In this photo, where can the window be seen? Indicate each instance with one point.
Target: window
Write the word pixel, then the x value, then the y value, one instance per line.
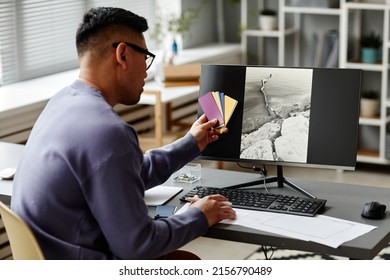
pixel 37 37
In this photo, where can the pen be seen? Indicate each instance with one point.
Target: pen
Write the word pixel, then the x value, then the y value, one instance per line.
pixel 196 198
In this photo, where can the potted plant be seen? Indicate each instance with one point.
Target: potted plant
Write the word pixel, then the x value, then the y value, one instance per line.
pixel 167 27
pixel 370 46
pixel 369 103
pixel 267 19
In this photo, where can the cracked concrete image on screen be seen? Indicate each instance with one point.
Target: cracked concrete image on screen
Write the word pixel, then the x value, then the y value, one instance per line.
pixel 276 114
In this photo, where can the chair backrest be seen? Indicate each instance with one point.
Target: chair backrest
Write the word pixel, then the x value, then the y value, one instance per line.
pixel 24 245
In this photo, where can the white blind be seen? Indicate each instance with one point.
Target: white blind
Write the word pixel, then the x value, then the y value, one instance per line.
pixel 45 35
pixel 8 57
pixel 38 36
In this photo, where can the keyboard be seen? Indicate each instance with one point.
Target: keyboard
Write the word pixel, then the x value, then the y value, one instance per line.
pixel 244 199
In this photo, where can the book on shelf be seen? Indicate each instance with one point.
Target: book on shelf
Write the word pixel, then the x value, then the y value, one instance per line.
pixel 326 49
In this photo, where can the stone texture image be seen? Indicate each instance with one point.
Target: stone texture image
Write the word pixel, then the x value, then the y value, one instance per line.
pixel 276 114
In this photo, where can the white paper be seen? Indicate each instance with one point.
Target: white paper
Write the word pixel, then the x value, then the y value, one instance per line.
pixel 320 229
pixel 160 194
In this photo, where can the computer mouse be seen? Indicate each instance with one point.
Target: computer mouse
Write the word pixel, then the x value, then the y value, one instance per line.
pixel 374 210
pixel 7 173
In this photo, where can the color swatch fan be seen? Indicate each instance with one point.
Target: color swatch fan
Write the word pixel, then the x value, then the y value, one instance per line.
pixel 217 105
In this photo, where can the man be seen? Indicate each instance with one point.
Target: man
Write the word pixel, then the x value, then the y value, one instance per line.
pixel 80 183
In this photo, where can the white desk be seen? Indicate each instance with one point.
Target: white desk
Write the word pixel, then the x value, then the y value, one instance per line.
pixel 20 104
pixel 159 96
pixel 9 157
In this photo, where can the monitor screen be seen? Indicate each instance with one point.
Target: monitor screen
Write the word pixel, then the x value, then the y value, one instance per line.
pixel 286 116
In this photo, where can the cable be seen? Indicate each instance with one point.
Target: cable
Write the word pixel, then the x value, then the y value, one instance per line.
pixel 246 167
pixel 254 168
pixel 263 172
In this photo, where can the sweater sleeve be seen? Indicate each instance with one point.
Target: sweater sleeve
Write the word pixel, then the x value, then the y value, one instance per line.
pixel 171 157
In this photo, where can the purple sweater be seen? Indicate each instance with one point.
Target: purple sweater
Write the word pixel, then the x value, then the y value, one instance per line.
pixel 80 183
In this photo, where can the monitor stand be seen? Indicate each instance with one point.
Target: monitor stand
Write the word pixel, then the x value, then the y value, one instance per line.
pixel 278 178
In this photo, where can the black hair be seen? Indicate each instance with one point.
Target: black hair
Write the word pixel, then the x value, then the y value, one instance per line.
pixel 98 19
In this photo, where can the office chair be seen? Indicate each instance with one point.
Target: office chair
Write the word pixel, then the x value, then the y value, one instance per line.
pixel 24 245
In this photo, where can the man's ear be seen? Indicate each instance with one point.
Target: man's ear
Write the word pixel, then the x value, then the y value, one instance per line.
pixel 121 55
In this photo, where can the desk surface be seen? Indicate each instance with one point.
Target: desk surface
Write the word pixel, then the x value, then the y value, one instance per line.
pixel 344 201
pixel 9 157
pixel 168 94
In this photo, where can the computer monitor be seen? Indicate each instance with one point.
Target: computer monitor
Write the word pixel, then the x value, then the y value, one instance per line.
pixel 286 116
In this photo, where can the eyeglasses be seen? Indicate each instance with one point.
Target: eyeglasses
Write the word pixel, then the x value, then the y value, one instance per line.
pixel 149 57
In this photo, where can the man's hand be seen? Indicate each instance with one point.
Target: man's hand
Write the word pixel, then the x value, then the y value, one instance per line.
pixel 203 132
pixel 214 209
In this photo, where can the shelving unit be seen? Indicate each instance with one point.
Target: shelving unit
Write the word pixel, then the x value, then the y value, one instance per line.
pixel 349 15
pixel 284 29
pixel 279 34
pixel 352 15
